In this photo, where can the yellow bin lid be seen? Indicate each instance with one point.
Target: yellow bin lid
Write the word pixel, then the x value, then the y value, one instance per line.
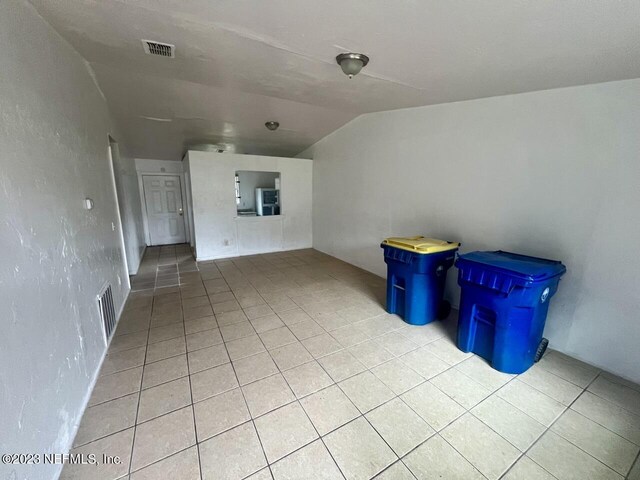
pixel 421 244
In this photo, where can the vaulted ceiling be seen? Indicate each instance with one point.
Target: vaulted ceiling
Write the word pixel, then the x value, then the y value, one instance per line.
pixel 239 63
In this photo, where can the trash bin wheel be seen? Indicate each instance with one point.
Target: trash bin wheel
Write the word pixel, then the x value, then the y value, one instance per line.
pixel 541 349
pixel 444 309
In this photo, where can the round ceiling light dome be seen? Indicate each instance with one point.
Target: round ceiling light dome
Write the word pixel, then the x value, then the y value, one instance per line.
pixel 352 63
pixel 272 125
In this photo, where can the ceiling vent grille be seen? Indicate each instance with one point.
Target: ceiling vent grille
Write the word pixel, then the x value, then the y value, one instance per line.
pixel 107 312
pixel 158 48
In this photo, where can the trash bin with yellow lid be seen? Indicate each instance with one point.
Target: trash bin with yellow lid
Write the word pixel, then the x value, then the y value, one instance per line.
pixel 416 274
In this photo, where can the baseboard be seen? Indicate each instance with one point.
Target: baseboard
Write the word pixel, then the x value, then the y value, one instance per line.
pixel 96 374
pixel 135 271
pixel 247 254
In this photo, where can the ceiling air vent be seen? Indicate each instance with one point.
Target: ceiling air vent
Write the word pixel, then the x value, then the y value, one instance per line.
pixel 158 48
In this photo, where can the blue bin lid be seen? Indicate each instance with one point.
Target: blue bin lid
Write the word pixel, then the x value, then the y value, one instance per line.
pixel 532 269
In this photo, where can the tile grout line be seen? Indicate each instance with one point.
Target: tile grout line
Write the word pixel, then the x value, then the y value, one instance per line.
pixel 296 400
pixel 370 370
pixel 193 409
pixel 363 415
pixel 320 437
pixel 562 378
pixel 580 448
pixel 135 423
pixel 137 411
pixel 548 429
pixel 565 408
pixel 626 410
pixel 245 400
pixel 636 463
pixel 436 432
pixel 140 391
pixel 251 419
pixel 599 424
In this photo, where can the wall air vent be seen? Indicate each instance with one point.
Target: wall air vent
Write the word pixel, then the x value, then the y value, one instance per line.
pixel 159 48
pixel 107 312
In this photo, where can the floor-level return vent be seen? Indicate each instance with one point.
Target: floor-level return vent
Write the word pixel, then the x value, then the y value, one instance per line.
pixel 107 312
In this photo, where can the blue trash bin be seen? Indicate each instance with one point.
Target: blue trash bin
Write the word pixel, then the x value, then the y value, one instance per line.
pixel 416 273
pixel 503 306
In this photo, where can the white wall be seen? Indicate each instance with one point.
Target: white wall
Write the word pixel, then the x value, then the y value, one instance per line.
pixel 56 256
pixel 189 203
pixel 150 165
pixel 553 173
pixel 130 210
pixel 220 233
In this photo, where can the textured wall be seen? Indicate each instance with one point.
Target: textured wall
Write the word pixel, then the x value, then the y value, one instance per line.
pixel 55 256
pixel 552 174
pixel 218 231
pixel 130 210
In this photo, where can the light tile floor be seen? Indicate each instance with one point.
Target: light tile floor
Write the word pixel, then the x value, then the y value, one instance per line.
pixel 286 366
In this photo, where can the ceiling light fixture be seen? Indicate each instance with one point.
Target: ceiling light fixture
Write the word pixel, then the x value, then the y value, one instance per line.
pixel 352 63
pixel 272 125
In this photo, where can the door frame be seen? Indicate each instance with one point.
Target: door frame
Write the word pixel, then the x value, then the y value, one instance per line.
pixel 143 204
pixel 111 142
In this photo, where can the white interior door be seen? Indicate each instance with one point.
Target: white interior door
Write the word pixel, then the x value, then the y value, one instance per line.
pixel 163 199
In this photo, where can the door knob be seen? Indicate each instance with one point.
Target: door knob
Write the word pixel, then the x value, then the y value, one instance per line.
pixel 180 212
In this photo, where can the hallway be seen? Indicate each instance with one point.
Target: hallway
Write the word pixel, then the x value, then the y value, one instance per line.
pixel 286 366
pixel 164 267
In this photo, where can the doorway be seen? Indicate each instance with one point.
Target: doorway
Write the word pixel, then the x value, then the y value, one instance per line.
pixel 165 212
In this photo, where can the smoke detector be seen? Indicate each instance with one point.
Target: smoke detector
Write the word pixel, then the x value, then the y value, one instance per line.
pixel 158 48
